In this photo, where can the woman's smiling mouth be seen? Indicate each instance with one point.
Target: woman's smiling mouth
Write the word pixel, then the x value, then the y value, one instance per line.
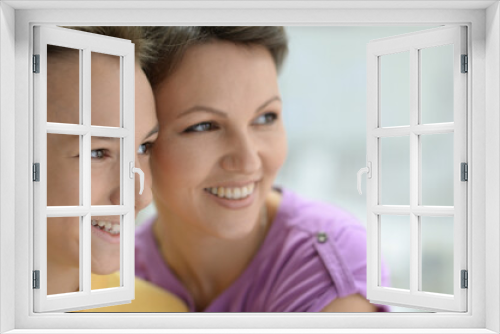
pixel 110 227
pixel 234 193
pixel 106 229
pixel 233 197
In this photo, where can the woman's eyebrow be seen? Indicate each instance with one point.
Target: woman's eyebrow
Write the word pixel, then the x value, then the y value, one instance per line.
pixel 104 138
pixel 202 108
pixel 221 113
pixel 272 99
pixel 153 131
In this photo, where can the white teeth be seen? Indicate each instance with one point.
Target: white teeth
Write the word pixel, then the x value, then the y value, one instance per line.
pixel 115 229
pixel 232 193
pixel 107 226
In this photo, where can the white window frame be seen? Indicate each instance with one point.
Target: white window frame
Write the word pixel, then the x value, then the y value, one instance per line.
pixel 413 43
pixel 483 21
pixel 85 43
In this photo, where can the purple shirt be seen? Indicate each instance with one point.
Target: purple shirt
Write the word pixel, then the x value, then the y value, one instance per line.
pixel 312 254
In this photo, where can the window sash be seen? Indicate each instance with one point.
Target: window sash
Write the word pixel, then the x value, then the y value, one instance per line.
pixel 86 43
pixel 413 43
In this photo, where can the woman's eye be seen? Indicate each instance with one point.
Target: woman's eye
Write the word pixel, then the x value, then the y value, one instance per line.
pixel 97 154
pixel 145 148
pixel 266 118
pixel 201 127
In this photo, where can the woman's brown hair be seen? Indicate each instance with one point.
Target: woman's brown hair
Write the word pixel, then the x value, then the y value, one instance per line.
pixel 172 42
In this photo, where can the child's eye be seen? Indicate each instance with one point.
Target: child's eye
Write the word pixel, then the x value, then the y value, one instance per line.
pixel 97 154
pixel 266 118
pixel 145 148
pixel 201 127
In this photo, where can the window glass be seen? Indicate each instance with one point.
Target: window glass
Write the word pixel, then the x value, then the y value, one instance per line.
pixel 395 249
pixel 436 244
pixel 106 173
pixel 436 84
pixel 105 90
pixel 437 169
pixel 106 254
pixel 395 170
pixel 395 89
pixel 63 85
pixel 63 170
pixel 63 251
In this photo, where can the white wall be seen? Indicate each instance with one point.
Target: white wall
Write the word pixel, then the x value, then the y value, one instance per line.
pixel 7 161
pixel 492 163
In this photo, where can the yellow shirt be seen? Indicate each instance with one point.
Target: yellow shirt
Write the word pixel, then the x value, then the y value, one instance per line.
pixel 148 297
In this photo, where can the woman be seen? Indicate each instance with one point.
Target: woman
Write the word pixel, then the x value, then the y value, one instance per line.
pixel 63 155
pixel 225 239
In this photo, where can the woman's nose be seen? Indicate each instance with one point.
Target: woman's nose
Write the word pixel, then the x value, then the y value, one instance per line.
pixel 243 155
pixel 115 194
pixel 107 184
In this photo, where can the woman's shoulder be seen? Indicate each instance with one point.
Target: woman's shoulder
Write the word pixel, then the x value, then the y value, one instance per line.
pixel 311 216
pixel 332 235
pixel 317 254
pixel 149 264
pixel 144 238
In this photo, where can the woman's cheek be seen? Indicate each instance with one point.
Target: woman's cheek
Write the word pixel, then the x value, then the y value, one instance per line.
pixel 147 172
pixel 162 164
pixel 277 152
pixel 62 182
pixel 96 195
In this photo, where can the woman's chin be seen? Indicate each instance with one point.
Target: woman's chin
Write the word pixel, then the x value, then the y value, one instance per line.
pixel 105 269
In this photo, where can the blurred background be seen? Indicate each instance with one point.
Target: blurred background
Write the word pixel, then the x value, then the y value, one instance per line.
pixel 323 87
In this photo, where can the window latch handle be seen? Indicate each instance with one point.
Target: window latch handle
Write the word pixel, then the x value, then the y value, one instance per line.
pixel 138 171
pixel 368 171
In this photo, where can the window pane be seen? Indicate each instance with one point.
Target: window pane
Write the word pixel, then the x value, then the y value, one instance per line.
pixel 105 166
pixel 437 169
pixel 105 90
pixel 436 235
pixel 63 170
pixel 63 255
pixel 395 170
pixel 63 85
pixel 395 249
pixel 395 89
pixel 436 84
pixel 105 245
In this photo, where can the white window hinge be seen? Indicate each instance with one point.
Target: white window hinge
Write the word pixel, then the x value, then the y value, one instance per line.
pixel 36 279
pixel 464 279
pixel 36 63
pixel 464 172
pixel 36 172
pixel 465 64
